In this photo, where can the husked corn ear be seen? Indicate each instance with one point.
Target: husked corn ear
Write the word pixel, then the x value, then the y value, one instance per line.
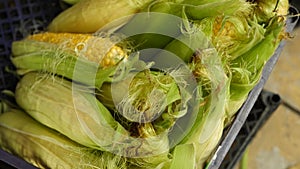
pixel 97 49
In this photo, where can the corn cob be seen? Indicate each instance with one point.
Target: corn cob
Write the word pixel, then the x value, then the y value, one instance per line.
pixel 267 9
pixel 96 49
pixel 210 75
pixel 207 131
pixel 45 148
pixel 247 68
pixel 233 34
pixel 77 113
pixel 85 58
pixel 161 22
pixel 88 16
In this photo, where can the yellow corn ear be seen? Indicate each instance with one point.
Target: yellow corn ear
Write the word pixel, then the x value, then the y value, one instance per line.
pixel 45 148
pixel 88 16
pixel 97 49
pixel 75 112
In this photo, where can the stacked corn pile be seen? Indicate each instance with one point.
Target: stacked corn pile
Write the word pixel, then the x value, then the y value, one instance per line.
pixel 137 84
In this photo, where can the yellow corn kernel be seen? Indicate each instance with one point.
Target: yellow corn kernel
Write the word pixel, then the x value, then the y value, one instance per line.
pixel 97 49
pixel 226 29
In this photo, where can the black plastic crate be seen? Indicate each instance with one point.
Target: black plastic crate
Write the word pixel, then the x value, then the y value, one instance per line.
pixel 19 18
pixel 8 161
pixel 296 4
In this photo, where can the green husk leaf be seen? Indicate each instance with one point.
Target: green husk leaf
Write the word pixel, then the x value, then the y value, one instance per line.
pixel 233 34
pixel 256 58
pixel 45 148
pixel 71 2
pixel 223 7
pixel 80 18
pixel 184 157
pixel 163 20
pixel 149 96
pixel 268 9
pixel 215 84
pixel 184 46
pixel 31 56
pixel 247 68
pixel 75 112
